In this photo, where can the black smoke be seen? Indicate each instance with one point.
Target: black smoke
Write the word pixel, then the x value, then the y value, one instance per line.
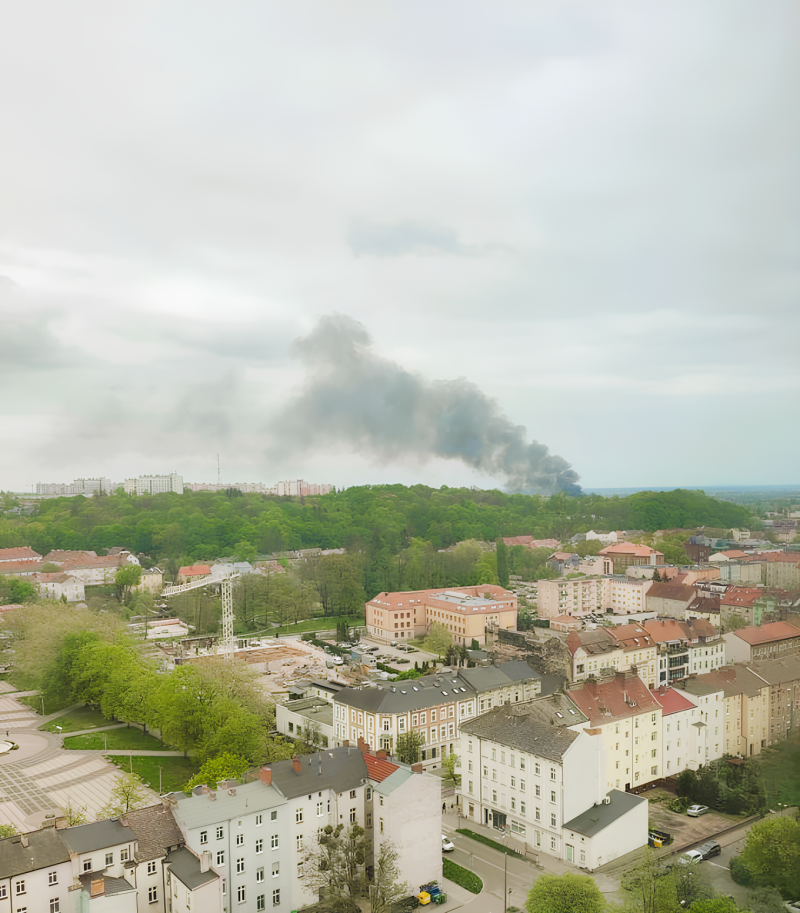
pixel 353 397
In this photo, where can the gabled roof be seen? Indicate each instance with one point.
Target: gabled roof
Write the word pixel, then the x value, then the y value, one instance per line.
pixel 675 591
pixel 592 642
pixel 731 680
pixel 185 866
pixel 86 838
pixel 776 630
pixel 741 595
pixel 378 769
pixel 45 848
pixel 666 630
pixel 671 701
pixel 155 830
pixel 617 698
pixel 21 553
pixel 338 769
pixel 631 637
pixel 628 548
pixel 538 727
pixel 194 570
pixel 777 671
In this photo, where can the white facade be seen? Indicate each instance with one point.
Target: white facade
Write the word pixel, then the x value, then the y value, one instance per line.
pixel 54 586
pixel 696 737
pixel 153 485
pixel 87 487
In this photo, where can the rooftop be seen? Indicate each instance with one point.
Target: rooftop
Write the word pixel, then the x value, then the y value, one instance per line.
pixel 671 701
pixel 676 591
pixel 628 548
pixel 155 830
pixel 598 817
pixel 194 570
pixel 20 553
pixel 763 634
pixel 86 838
pixel 619 697
pixel 185 866
pixel 45 848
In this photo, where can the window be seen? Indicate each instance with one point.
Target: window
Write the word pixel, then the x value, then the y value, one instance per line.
pixel 470 787
pixel 485 771
pixel 203 836
pixel 239 865
pixel 522 785
pixel 151 867
pixel 298 816
pixel 152 895
pixel 220 833
pixel 298 842
pixel 654 770
pixel 513 782
pixel 494 797
pixel 87 865
pixel 319 809
pixel 241 894
pixel 552 820
pixel 123 855
pixel 273 815
pixel 261 902
pixel 3 892
pixel 469 766
pixel 273 843
pixel 653 753
pixel 220 857
pixel 260 874
pixel 276 870
pixel 352 794
pixel 352 816
pixel 369 819
pixel 52 877
pixel 538 790
pixel 513 804
pixel 653 736
pixel 224 887
pixel 552 843
pixel 259 820
pixel 552 773
pixel 276 897
pixel 381 827
pixel 109 859
pixel 55 905
pixel 522 808
pixel 522 764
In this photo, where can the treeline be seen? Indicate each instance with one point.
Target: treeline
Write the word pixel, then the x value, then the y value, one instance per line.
pixel 208 707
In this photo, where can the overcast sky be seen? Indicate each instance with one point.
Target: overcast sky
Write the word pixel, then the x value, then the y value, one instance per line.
pixel 590 211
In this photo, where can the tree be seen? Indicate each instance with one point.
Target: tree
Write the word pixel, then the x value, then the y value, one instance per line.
pixel 75 814
pixel 772 853
pixel 8 830
pixel 386 888
pixel 226 766
pixel 564 894
pixel 502 563
pixel 438 639
pixel 125 580
pixel 127 794
pixel 244 551
pixel 409 746
pixel 334 866
pixel 714 905
pixel 649 888
pixel 450 762
pixel 686 784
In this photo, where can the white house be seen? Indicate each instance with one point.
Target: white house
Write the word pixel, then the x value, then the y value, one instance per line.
pixel 58 585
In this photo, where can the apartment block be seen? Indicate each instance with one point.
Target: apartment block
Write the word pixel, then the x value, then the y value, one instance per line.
pixel 582 596
pixel 691 728
pixel 685 647
pixel 536 770
pixel 434 706
pixel 626 554
pixel 604 651
pixel 464 611
pixel 154 485
pixel 770 641
pixel 783 678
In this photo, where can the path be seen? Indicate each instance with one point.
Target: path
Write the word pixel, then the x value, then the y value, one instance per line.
pixel 41 777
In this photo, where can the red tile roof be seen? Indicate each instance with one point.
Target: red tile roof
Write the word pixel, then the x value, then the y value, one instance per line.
pixel 194 570
pixel 677 591
pixel 10 568
pixel 776 630
pixel 593 697
pixel 734 553
pixel 671 701
pixel 628 548
pixel 22 553
pixel 630 637
pixel 741 595
pixel 378 769
pixel 666 631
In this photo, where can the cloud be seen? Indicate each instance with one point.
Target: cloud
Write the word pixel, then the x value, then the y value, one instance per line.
pixel 405 237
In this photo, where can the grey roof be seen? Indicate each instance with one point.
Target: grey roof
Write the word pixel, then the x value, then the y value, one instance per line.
pixel 777 671
pixel 552 682
pixel 199 811
pixel 155 830
pixel 85 838
pixel 538 727
pixel 428 691
pixel 393 781
pixel 110 885
pixel 185 866
pixel 314 709
pixel 338 769
pixel 598 817
pixel 45 847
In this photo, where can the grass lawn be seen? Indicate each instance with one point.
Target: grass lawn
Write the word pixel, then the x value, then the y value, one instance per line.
pixel 780 765
pixel 174 771
pixel 75 720
pixel 114 739
pixel 321 623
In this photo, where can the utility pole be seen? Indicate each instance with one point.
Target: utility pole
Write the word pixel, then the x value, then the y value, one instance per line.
pixel 505 870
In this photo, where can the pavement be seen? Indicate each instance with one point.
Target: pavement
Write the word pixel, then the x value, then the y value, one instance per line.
pixel 41 777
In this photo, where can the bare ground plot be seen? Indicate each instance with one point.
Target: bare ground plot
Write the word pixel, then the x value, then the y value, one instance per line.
pixel 685 830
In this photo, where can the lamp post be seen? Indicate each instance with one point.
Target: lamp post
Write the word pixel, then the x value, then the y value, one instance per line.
pixel 505 870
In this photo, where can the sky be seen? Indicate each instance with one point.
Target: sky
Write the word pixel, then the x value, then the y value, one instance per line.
pixel 582 219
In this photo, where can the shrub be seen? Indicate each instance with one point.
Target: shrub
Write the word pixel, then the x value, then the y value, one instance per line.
pixel 740 873
pixel 461 876
pixel 678 805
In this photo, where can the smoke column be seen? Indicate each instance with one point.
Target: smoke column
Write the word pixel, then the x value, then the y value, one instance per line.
pixel 354 397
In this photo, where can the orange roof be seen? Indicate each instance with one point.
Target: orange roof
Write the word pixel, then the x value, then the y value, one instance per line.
pixel 735 553
pixel 630 637
pixel 10 568
pixel 560 556
pixel 614 696
pixel 776 630
pixel 379 769
pixel 413 597
pixel 194 570
pixel 671 701
pixel 741 595
pixel 21 553
pixel 628 548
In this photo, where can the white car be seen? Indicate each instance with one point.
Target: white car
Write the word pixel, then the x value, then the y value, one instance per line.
pixel 447 845
pixel 689 857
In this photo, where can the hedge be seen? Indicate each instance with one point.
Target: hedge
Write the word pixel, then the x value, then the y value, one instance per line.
pixel 461 876
pixel 487 841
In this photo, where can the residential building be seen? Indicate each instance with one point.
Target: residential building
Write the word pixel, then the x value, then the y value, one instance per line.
pixel 537 770
pixel 309 719
pixel 628 596
pixel 35 872
pixel 18 555
pixel 672 599
pixel 625 554
pixel 296 488
pixel 86 487
pixel 465 612
pixel 152 581
pixel 604 538
pixel 742 572
pixel 193 572
pixel 591 596
pixel 692 726
pixel 154 485
pixel 433 706
pixel 685 647
pixel 745 704
pixel 706 607
pixel 697 553
pixel 89 568
pixel 563 562
pixel 783 678
pixel 752 605
pixel 629 718
pixel 254 835
pixel 59 586
pixel 603 651
pixel 595 564
pixel 781 570
pixel 770 641
pixel 565 623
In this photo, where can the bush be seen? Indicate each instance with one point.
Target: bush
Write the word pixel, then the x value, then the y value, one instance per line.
pixel 461 876
pixel 740 873
pixel 678 805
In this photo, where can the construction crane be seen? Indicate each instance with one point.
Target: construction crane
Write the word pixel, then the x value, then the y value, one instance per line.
pixel 226 644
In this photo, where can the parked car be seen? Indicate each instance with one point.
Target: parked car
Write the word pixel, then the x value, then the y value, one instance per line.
pixel 712 848
pixel 447 845
pixel 689 857
pixel 694 811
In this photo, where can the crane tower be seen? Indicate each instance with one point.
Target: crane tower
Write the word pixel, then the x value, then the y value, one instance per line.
pixel 227 647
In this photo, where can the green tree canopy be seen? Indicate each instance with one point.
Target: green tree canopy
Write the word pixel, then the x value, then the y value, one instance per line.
pixel 565 894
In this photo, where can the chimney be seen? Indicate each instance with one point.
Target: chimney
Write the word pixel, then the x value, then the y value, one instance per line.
pixel 24 840
pixel 381 755
pixel 363 746
pixel 296 764
pixel 266 776
pixel 205 861
pixel 61 823
pixel 417 768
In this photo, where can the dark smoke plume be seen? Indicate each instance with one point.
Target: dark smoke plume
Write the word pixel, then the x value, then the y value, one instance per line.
pixel 354 397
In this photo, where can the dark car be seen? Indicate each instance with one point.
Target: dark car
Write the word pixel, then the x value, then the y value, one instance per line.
pixel 712 848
